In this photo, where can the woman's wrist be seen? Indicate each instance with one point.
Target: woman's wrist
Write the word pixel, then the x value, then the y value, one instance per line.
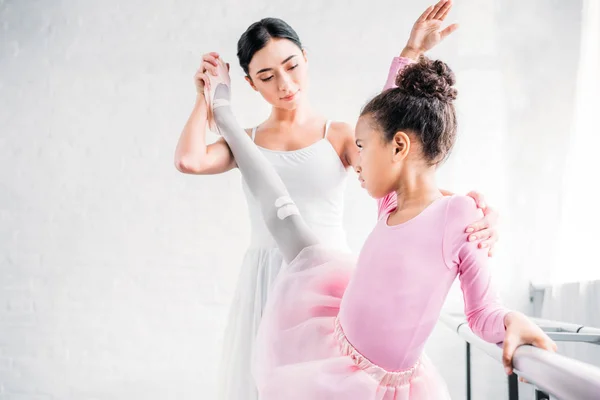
pixel 200 107
pixel 200 99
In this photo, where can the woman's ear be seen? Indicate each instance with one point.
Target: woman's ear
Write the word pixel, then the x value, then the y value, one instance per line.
pixel 247 78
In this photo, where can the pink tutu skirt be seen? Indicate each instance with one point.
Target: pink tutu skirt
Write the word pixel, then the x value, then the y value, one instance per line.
pixel 302 353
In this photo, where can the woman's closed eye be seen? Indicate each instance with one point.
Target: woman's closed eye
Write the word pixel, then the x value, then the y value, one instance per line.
pixel 267 79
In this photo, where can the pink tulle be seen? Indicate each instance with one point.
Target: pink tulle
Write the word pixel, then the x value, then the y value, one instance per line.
pixel 301 350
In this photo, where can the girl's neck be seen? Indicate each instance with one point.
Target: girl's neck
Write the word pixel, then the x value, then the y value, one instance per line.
pixel 418 189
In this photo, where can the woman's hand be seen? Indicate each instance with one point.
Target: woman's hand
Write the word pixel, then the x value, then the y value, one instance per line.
pixel 485 230
pixel 209 65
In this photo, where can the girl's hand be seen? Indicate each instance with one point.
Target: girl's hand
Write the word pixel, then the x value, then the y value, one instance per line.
pixel 521 330
pixel 426 32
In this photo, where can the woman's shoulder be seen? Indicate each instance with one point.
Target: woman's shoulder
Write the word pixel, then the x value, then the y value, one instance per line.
pixel 341 136
pixel 340 130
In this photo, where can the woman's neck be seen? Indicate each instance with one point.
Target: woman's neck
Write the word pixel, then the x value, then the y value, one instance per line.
pixel 297 116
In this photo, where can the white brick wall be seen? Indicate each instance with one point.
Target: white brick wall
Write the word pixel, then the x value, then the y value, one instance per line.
pixel 116 271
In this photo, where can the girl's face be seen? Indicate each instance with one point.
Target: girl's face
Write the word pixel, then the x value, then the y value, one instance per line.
pixel 279 72
pixel 380 164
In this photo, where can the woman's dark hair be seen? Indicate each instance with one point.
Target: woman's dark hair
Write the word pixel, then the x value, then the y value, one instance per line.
pixel 258 35
pixel 421 104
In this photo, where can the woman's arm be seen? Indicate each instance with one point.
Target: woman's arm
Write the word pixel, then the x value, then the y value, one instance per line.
pixel 192 155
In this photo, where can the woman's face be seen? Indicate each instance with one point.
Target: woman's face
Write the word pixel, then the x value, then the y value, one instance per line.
pixel 279 71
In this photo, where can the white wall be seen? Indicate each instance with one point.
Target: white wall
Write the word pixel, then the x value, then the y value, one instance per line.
pixel 116 271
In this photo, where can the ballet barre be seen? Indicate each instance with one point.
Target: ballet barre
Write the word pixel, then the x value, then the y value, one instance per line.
pixel 551 373
pixel 568 332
